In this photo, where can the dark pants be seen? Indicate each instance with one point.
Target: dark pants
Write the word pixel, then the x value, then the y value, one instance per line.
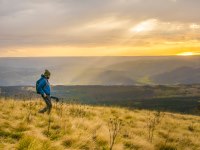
pixel 48 104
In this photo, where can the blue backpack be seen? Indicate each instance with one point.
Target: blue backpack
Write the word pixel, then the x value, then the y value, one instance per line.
pixel 37 84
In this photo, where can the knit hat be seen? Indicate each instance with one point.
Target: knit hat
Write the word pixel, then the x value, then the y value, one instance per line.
pixel 47 73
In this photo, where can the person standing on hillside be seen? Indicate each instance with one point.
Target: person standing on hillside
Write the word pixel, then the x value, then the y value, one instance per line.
pixel 43 88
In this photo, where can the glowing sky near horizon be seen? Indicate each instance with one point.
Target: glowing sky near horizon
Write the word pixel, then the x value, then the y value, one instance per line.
pixel 99 28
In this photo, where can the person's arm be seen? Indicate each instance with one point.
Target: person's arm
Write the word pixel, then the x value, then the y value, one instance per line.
pixel 40 87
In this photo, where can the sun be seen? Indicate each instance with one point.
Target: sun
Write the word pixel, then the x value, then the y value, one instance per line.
pixel 187 54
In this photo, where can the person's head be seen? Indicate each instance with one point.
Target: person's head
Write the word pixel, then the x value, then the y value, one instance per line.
pixel 47 74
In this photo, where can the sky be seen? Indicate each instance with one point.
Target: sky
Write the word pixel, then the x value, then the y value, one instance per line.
pixel 35 28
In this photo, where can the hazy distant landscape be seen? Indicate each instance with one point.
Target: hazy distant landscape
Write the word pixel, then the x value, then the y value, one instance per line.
pixel 101 70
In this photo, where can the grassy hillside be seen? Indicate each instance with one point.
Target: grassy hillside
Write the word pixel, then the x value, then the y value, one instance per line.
pixel 73 126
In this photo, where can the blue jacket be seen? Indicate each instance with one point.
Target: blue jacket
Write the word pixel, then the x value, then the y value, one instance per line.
pixel 44 86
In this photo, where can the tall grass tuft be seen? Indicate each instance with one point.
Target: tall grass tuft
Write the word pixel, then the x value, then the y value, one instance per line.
pixel 33 143
pixel 114 125
pixel 152 122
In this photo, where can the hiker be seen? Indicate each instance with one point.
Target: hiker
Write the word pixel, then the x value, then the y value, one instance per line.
pixel 43 88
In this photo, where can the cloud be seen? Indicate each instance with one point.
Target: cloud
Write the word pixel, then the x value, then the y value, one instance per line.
pixel 145 26
pixel 195 26
pixel 96 23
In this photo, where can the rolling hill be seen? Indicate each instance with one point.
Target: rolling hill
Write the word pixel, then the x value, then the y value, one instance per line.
pixel 100 70
pixel 182 75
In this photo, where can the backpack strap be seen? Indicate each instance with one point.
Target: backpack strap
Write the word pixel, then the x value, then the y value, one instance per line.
pixel 46 83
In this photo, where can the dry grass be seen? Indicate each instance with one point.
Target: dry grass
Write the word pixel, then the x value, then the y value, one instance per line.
pixel 73 126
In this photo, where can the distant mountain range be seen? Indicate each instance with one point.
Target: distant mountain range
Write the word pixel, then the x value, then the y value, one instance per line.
pixel 101 70
pixel 184 75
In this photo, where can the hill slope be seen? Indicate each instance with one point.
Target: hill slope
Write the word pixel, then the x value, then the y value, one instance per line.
pixel 73 126
pixel 185 75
